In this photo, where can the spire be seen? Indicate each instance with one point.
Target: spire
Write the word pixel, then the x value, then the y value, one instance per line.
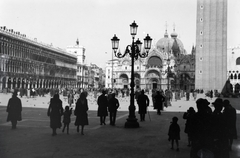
pixel 77 42
pixel 166 34
pixel 174 34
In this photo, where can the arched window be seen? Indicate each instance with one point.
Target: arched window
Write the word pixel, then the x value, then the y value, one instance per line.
pixel 235 76
pixel 231 76
pixel 238 61
pixel 238 76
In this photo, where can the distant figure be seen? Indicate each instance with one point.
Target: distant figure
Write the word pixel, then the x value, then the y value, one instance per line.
pixel 159 100
pixel 67 118
pixel 143 103
pixel 230 115
pixel 113 105
pixel 174 132
pixel 188 116
pixel 211 94
pixel 14 109
pixel 81 112
pixel 102 107
pixel 55 111
pixel 70 99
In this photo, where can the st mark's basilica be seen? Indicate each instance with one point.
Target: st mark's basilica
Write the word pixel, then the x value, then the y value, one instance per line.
pixel 168 66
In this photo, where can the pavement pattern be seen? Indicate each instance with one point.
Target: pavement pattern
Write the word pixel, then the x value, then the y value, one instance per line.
pixel 32 138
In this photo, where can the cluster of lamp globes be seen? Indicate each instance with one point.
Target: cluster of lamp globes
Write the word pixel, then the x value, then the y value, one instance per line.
pixel 133 50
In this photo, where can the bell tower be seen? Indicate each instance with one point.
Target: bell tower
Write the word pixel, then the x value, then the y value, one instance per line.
pixel 211 45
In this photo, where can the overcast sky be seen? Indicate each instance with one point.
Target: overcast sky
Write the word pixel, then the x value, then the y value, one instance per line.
pixel 94 22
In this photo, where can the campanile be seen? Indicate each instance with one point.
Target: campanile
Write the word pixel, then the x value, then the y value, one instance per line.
pixel 211 45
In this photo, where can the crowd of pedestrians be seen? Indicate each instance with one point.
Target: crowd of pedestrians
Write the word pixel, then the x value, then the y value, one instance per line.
pixel 210 132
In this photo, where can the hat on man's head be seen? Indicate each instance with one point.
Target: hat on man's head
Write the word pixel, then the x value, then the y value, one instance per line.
pixel 206 102
pixel 15 93
pixel 226 102
pixel 218 101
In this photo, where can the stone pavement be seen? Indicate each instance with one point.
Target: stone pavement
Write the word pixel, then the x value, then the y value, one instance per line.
pixel 32 138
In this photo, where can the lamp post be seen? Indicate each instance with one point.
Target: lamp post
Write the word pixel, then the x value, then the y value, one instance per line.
pixel 134 50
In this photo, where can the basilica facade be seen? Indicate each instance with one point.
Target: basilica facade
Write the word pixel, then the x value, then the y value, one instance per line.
pixel 168 66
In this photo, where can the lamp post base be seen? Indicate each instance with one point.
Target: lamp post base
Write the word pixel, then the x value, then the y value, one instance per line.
pixel 131 123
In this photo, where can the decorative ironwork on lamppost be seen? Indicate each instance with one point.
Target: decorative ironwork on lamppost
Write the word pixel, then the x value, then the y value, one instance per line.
pixel 134 50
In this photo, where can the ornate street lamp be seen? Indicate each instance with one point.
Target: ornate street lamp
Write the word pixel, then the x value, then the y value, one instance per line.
pixel 134 50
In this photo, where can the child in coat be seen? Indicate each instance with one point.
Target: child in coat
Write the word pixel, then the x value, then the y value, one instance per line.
pixel 174 132
pixel 67 118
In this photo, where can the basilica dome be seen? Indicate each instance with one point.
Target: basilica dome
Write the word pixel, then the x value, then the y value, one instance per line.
pixel 166 44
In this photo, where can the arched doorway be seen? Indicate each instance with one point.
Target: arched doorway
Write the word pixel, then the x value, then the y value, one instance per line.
pixel 237 88
pixel 9 83
pixel 153 79
pixel 125 80
pixel 137 80
pixel 185 82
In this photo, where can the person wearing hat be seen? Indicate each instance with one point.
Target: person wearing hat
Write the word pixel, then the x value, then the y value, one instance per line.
pixel 230 114
pixel 220 130
pixel 201 129
pixel 14 109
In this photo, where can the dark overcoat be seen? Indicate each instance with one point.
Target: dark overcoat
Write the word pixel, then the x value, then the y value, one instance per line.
pixel 143 103
pixel 102 105
pixel 14 109
pixel 81 112
pixel 159 99
pixel 55 111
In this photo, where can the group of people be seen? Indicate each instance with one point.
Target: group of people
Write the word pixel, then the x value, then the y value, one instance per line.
pixel 211 132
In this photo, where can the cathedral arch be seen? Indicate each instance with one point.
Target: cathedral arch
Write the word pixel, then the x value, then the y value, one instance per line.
pixel 124 80
pixel 154 61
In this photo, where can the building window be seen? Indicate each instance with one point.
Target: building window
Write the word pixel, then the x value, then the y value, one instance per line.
pixel 238 76
pixel 201 7
pixel 201 19
pixel 238 61
pixel 201 45
pixel 231 76
pixel 201 33
pixel 200 58
pixel 125 68
pixel 200 72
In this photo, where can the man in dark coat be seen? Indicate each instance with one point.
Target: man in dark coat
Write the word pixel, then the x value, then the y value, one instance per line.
pixel 102 107
pixel 143 103
pixel 230 115
pixel 159 99
pixel 14 109
pixel 113 105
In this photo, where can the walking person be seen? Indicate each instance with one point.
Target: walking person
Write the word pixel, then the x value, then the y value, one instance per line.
pixel 55 111
pixel 143 103
pixel 159 100
pixel 174 132
pixel 67 118
pixel 113 105
pixel 14 109
pixel 81 112
pixel 102 107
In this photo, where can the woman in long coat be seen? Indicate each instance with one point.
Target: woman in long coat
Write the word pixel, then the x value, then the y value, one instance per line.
pixel 102 107
pixel 81 112
pixel 55 111
pixel 14 110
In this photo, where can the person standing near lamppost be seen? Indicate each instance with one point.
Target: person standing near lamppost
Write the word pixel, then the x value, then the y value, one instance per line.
pixel 134 50
pixel 102 107
pixel 113 105
pixel 143 103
